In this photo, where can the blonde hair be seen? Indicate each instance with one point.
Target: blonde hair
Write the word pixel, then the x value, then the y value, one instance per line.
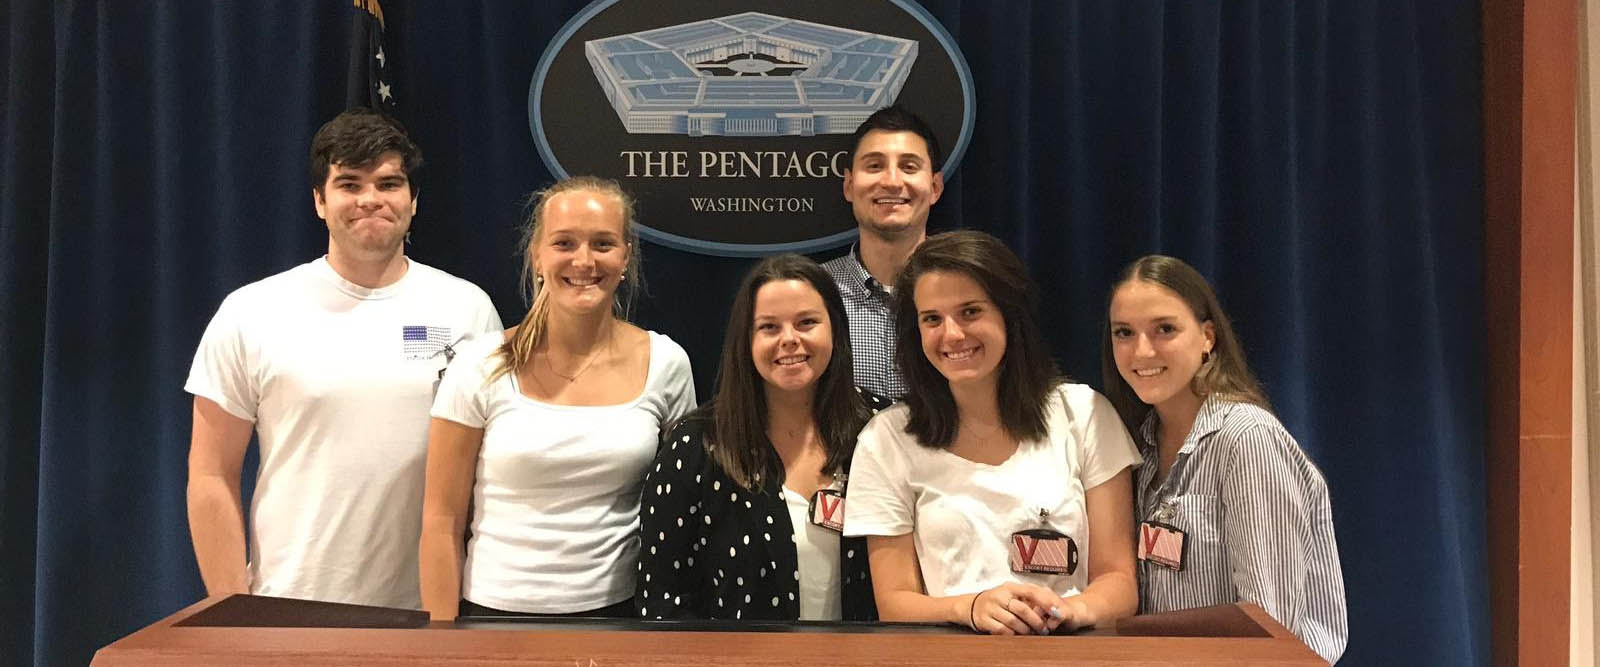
pixel 517 352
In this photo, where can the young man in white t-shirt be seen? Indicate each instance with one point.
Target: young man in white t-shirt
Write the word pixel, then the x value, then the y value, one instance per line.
pixel 333 364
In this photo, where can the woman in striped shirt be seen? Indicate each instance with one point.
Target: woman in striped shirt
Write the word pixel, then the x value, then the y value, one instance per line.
pixel 1219 471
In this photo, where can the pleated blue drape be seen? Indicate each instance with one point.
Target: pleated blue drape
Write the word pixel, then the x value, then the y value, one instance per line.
pixel 1320 162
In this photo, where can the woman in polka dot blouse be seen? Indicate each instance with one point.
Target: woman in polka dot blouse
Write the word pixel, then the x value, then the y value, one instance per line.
pixel 742 507
pixel 997 496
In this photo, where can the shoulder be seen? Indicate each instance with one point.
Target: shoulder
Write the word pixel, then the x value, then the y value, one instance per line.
pixel 690 432
pixel 875 403
pixel 480 347
pixel 1252 438
pixel 294 279
pixel 843 269
pixel 435 279
pixel 888 428
pixel 1248 425
pixel 267 296
pixel 1074 393
pixel 665 351
pixel 478 355
pixel 1077 402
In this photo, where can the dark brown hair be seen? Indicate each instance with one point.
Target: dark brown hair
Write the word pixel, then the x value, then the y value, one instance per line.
pixel 897 118
pixel 738 411
pixel 357 138
pixel 1027 372
pixel 1224 372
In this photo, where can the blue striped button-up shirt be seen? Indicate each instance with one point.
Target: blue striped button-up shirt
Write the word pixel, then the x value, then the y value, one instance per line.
pixel 1255 512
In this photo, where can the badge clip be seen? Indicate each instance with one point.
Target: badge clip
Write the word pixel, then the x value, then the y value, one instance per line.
pixel 1042 550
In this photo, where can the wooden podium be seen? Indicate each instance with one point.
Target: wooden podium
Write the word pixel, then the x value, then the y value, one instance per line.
pixel 251 630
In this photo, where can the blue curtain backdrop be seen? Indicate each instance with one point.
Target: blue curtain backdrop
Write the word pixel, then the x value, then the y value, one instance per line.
pixel 1319 161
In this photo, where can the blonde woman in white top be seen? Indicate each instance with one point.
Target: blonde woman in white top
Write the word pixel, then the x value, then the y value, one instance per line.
pixel 545 433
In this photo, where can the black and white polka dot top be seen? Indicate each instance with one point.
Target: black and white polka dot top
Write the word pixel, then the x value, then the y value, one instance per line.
pixel 711 549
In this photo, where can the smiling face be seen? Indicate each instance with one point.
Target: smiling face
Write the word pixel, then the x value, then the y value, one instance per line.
pixel 891 184
pixel 581 253
pixel 368 209
pixel 963 332
pixel 791 340
pixel 1157 343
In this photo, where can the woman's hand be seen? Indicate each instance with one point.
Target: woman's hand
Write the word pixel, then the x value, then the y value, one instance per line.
pixel 1019 609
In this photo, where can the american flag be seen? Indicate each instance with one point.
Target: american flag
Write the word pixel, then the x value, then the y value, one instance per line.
pixel 423 342
pixel 370 78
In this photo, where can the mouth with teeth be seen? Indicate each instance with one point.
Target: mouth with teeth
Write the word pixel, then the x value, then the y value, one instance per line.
pixel 960 355
pixel 891 201
pixel 792 360
pixel 590 281
pixel 1149 372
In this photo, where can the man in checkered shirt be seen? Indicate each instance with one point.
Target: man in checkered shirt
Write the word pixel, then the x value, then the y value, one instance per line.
pixel 895 176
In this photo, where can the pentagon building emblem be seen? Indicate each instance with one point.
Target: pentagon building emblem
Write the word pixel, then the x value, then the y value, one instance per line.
pixel 730 121
pixel 749 74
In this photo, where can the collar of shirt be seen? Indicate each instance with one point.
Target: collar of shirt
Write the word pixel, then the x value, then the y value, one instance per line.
pixel 861 280
pixel 1207 421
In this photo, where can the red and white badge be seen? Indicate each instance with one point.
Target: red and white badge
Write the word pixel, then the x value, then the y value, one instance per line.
pixel 827 509
pixel 1042 551
pixel 1162 544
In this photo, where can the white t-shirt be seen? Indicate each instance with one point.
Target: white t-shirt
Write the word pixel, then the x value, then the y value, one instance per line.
pixel 555 506
pixel 338 379
pixel 961 514
pixel 817 555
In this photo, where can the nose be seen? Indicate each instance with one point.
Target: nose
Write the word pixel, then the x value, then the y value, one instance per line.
pixel 892 177
pixel 788 337
pixel 1142 347
pixel 952 330
pixel 583 256
pixel 367 196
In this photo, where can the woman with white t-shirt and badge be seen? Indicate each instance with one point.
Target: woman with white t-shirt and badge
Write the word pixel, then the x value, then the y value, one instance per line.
pixel 545 432
pixel 997 496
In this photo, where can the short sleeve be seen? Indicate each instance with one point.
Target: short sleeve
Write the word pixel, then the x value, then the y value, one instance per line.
pixel 463 395
pixel 677 382
pixel 879 497
pixel 221 368
pixel 1107 447
pixel 485 319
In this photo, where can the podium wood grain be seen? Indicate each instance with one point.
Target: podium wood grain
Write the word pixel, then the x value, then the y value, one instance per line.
pixel 444 644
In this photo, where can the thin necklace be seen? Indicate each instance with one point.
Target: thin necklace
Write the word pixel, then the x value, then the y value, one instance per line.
pixel 983 438
pixel 586 363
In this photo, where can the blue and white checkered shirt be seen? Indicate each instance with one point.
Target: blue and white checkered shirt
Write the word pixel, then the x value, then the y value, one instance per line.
pixel 1255 514
pixel 870 308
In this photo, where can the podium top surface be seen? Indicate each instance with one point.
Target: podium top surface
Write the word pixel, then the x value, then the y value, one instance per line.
pixel 252 630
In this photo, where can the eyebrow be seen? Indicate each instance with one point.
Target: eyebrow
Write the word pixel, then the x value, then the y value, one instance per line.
pixel 1163 318
pixel 809 311
pixel 959 305
pixel 882 155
